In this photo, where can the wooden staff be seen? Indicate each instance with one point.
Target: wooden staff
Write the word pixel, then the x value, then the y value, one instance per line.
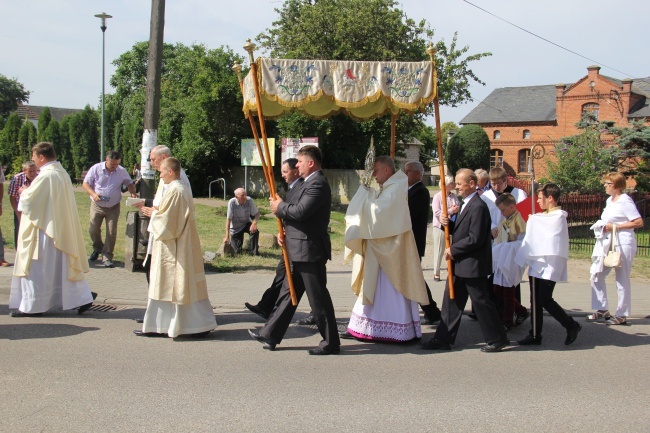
pixel 393 134
pixel 250 47
pixel 441 161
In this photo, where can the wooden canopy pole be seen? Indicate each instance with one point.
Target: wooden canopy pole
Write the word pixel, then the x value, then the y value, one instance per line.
pixel 441 162
pixel 393 134
pixel 250 47
pixel 265 168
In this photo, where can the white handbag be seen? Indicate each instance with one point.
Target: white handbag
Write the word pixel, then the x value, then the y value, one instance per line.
pixel 613 257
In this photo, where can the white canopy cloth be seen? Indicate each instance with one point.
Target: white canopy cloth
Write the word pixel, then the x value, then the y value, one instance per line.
pixel 322 88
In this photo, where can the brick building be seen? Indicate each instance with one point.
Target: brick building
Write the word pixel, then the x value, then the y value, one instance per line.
pixel 516 118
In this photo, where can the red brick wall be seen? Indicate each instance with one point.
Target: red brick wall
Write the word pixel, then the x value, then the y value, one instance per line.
pixel 613 104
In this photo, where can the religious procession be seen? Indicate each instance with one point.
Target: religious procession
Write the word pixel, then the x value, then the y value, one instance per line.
pixel 489 234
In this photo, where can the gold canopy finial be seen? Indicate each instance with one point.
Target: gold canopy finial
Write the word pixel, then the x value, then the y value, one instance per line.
pixel 250 47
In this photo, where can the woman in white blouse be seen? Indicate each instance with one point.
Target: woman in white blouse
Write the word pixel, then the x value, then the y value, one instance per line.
pixel 620 211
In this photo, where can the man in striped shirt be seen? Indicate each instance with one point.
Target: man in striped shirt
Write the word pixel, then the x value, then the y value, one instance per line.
pixel 18 183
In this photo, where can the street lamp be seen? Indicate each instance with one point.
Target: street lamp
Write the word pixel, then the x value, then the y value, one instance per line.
pixel 103 17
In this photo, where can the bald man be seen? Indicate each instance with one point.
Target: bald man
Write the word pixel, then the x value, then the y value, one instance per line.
pixel 242 217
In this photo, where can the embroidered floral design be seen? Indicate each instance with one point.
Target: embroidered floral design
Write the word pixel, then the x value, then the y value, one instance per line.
pixel 403 83
pixel 293 81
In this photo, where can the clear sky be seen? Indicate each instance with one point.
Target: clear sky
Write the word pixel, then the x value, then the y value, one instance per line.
pixel 55 47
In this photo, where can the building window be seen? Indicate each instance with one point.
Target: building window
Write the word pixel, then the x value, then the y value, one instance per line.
pixel 526 134
pixel 497 134
pixel 592 110
pixel 496 158
pixel 524 158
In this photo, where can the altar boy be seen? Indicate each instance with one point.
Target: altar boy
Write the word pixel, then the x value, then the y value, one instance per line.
pixel 507 274
pixel 545 249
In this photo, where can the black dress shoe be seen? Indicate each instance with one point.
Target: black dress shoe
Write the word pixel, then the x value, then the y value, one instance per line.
pixel 309 320
pixel 139 320
pixel 86 307
pixel 21 314
pixel 434 344
pixel 148 334
pixel 572 333
pixel 267 344
pixel 94 256
pixel 257 310
pixel 321 351
pixel 530 340
pixel 346 335
pixel 494 347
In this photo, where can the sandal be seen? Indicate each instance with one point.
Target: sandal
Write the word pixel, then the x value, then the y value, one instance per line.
pixel 616 320
pixel 600 314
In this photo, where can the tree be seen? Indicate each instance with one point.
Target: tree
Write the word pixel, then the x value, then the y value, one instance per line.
pixel 362 30
pixel 84 140
pixel 11 94
pixel 468 148
pixel 26 140
pixel 633 151
pixel 201 116
pixel 9 139
pixel 580 160
pixel 43 121
pixel 63 147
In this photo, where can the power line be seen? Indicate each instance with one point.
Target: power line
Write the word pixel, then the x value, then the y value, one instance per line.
pixel 546 40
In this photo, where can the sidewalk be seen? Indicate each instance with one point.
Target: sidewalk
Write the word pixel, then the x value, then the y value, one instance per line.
pixel 229 291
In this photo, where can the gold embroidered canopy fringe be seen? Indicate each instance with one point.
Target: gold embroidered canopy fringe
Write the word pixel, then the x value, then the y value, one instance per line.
pixel 322 88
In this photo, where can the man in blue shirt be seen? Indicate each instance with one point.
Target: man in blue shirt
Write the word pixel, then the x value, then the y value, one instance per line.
pixel 103 183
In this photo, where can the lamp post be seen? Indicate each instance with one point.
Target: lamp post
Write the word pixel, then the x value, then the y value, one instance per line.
pixel 103 16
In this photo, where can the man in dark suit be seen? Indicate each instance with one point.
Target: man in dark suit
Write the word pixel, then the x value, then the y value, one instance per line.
pixel 265 306
pixel 419 203
pixel 471 252
pixel 308 244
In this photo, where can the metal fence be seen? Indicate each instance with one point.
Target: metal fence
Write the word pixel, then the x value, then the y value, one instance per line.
pixel 585 209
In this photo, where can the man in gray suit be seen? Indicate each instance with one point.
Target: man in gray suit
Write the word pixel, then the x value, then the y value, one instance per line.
pixel 471 252
pixel 306 218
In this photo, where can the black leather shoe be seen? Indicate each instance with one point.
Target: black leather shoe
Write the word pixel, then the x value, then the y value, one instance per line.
pixel 520 318
pixel 94 256
pixel 434 344
pixel 267 344
pixel 572 333
pixel 309 320
pixel 21 314
pixel 86 307
pixel 139 333
pixel 530 340
pixel 494 347
pixel 257 310
pixel 321 351
pixel 346 335
pixel 430 319
pixel 139 320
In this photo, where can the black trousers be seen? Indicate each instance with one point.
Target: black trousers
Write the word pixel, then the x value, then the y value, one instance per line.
pixel 312 278
pixel 237 239
pixel 16 227
pixel 544 300
pixel 431 311
pixel 271 295
pixel 486 312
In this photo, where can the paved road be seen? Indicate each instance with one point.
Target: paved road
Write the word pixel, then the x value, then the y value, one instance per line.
pixel 64 372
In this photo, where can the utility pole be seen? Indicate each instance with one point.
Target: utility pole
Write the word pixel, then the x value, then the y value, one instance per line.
pixel 136 231
pixel 152 103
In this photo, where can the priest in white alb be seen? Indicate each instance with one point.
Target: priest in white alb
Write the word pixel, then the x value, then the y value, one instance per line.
pixel 178 294
pixel 51 260
pixel 386 275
